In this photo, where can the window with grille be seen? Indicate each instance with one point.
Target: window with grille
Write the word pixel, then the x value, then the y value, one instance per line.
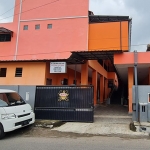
pixel 18 72
pixel 37 26
pixel 25 27
pixel 3 72
pixel 5 37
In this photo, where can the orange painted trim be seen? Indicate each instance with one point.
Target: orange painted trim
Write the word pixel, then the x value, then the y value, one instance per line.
pixel 111 75
pixel 33 73
pixel 109 36
pixel 106 88
pixel 130 85
pixel 128 58
pixel 96 66
pixel 94 83
pixel 84 74
pixel 101 89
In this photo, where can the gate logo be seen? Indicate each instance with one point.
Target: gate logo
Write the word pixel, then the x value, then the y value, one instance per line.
pixel 63 95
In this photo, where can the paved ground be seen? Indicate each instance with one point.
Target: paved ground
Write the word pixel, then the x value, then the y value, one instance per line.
pixel 116 110
pixel 74 143
pixel 108 120
pixel 106 124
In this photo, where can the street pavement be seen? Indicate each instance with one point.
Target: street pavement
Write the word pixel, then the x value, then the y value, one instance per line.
pixel 112 120
pixel 74 143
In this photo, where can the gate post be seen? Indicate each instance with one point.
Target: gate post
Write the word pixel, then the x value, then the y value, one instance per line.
pixel 94 83
pixel 106 88
pixel 101 89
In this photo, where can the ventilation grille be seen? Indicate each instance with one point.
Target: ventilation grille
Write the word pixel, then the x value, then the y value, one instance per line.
pixel 18 72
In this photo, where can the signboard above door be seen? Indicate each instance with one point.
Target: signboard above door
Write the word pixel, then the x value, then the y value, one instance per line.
pixel 58 67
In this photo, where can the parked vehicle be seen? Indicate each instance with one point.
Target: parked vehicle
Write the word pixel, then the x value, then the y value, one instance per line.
pixel 15 113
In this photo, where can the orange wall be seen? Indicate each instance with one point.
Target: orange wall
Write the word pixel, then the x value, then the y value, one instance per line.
pixel 130 85
pixel 128 58
pixel 66 35
pixel 32 74
pixel 96 66
pixel 7 49
pixel 112 75
pixel 106 36
pixel 69 31
pixel 60 8
pixel 56 78
pixel 108 75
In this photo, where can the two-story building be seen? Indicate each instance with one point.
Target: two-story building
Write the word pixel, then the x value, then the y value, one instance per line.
pixel 60 42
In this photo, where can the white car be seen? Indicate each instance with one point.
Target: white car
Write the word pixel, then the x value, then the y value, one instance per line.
pixel 14 112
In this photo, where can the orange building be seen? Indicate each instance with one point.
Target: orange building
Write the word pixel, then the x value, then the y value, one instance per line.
pixel 61 42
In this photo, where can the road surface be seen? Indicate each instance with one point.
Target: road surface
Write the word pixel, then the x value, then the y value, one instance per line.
pixel 43 139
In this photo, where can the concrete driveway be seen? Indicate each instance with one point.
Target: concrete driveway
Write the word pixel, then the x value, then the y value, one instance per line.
pixel 108 120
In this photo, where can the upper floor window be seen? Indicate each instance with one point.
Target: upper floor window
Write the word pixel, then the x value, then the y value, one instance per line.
pixel 25 27
pixel 5 34
pixel 18 72
pixel 5 37
pixel 3 72
pixel 49 26
pixel 37 26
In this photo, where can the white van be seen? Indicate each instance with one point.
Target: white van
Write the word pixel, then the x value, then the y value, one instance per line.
pixel 14 112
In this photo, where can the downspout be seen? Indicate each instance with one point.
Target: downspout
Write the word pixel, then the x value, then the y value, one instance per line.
pixel 15 57
pixel 136 83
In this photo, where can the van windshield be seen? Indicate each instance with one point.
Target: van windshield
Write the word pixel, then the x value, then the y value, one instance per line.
pixel 10 99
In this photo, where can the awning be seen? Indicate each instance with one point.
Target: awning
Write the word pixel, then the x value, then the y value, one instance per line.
pixel 103 19
pixel 54 57
pixel 75 57
pixel 96 55
pixel 7 31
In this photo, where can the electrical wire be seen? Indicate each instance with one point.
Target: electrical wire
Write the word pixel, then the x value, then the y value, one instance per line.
pixel 11 8
pixel 63 51
pixel 98 49
pixel 30 9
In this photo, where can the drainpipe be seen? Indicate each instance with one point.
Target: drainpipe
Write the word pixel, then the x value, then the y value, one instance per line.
pixel 17 40
pixel 136 83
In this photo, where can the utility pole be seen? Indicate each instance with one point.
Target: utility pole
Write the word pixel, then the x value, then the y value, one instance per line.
pixel 136 83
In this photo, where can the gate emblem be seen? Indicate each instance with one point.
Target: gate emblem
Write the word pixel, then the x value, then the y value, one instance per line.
pixel 63 95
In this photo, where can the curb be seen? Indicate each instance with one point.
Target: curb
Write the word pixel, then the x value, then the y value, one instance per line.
pixel 48 123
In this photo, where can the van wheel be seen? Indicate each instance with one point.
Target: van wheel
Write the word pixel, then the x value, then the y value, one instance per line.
pixel 2 133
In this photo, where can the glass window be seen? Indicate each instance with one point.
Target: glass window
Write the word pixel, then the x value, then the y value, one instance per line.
pixel 49 26
pixel 10 99
pixel 3 72
pixel 25 27
pixel 37 27
pixel 3 104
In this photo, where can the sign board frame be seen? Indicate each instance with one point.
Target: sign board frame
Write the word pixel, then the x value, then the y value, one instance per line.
pixel 58 67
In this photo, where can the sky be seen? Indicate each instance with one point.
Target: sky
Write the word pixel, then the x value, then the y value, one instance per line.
pixel 138 10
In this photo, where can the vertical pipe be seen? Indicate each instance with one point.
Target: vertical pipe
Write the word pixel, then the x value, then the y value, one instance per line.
pixel 16 51
pixel 136 83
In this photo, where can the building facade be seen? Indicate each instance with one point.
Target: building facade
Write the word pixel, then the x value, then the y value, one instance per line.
pixel 51 32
